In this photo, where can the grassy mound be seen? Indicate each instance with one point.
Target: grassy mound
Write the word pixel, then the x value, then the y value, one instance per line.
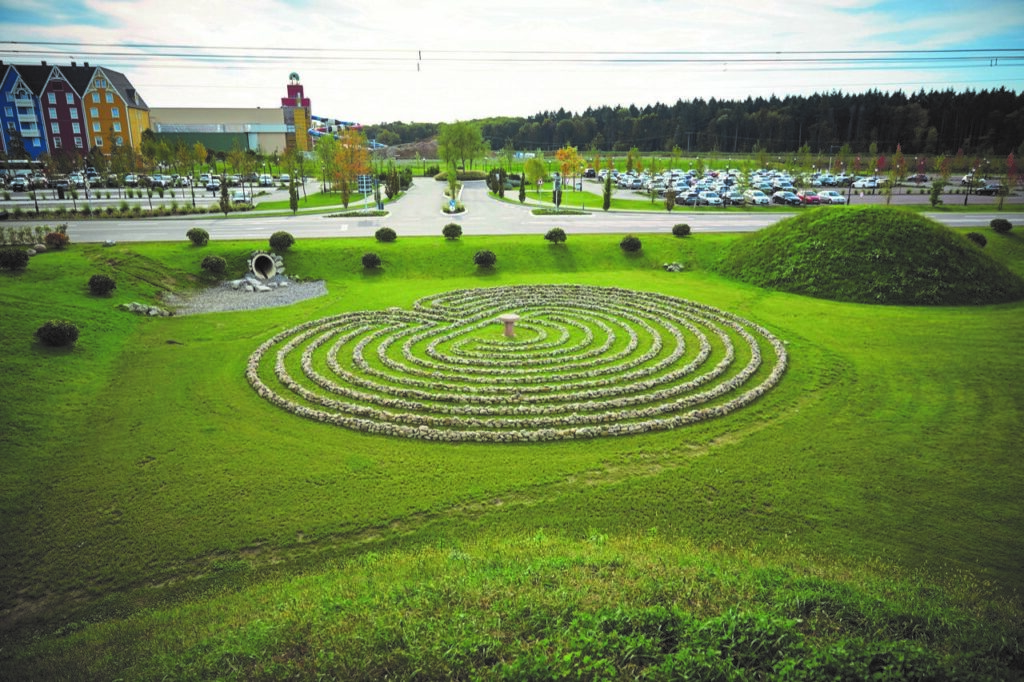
pixel 871 254
pixel 537 607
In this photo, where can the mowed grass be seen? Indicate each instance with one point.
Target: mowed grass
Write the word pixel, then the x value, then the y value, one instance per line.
pixel 140 469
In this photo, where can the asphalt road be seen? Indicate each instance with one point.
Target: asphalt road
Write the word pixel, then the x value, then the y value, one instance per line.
pixel 419 212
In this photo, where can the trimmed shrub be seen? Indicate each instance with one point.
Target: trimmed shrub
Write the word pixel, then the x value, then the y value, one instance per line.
pixel 485 258
pixel 57 333
pixel 1001 225
pixel 101 285
pixel 197 235
pixel 385 234
pixel 371 261
pixel 631 244
pixel 452 231
pixel 56 240
pixel 13 259
pixel 555 235
pixel 281 241
pixel 978 238
pixel 681 230
pixel 215 265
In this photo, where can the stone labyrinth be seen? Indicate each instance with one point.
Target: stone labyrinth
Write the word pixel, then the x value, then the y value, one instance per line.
pixel 584 362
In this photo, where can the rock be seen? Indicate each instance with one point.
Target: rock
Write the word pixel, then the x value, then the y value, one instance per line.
pixel 262 288
pixel 39 248
pixel 31 252
pixel 248 287
pixel 109 242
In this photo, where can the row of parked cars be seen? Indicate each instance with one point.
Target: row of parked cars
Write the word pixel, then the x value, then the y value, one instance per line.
pixel 722 188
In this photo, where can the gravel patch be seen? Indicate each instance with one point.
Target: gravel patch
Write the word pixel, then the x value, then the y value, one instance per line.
pixel 223 298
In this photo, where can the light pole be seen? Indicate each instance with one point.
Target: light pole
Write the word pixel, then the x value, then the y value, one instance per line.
pixel 970 184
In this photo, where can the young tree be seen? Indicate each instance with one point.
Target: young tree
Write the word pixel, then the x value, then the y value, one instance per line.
pixel 353 160
pixel 522 189
pixel 569 161
pixel 534 170
pixel 606 196
pixel 293 195
pixel 460 142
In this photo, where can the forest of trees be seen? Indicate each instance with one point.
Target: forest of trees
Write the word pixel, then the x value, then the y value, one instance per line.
pixel 938 122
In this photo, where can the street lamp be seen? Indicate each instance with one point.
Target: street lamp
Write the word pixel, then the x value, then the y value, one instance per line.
pixel 970 184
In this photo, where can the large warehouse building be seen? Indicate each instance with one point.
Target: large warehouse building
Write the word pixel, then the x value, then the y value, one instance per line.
pixel 222 130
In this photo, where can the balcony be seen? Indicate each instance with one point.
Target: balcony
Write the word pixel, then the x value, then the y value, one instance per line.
pixel 27 118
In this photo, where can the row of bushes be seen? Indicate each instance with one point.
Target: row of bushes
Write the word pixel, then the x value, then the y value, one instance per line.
pixel 279 241
pixel 29 235
pixel 123 211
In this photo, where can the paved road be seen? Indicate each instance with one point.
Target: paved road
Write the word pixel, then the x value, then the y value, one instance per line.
pixel 420 213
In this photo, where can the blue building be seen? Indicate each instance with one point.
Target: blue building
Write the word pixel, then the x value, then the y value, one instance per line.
pixel 21 116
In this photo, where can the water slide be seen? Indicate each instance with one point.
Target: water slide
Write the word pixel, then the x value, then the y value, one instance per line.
pixel 332 126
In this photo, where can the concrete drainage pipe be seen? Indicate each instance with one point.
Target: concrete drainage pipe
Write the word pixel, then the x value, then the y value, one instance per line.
pixel 263 266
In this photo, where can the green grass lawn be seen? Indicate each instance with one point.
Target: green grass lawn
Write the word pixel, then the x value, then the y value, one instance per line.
pixel 140 471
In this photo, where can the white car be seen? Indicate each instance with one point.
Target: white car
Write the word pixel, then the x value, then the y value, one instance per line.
pixel 756 197
pixel 710 199
pixel 866 183
pixel 266 180
pixel 831 196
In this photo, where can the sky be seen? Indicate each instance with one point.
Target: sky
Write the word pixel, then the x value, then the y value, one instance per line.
pixel 414 60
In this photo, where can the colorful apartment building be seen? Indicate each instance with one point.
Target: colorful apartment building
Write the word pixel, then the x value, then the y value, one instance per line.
pixel 21 116
pixel 69 107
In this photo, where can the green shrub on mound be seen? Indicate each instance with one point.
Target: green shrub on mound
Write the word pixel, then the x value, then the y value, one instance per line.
pixel 871 254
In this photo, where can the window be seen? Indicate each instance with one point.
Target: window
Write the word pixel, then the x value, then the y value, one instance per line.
pixel 36 142
pixel 94 112
pixel 110 98
pixel 69 98
pixel 99 141
pixel 115 112
pixel 96 127
pixel 78 142
pixel 119 141
pixel 56 143
pixel 75 128
pixel 100 83
pixel 117 127
pixel 95 98
pixel 51 98
pixel 52 111
pixel 74 114
pixel 54 127
pixel 8 112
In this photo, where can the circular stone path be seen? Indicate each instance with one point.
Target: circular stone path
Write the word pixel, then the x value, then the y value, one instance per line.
pixel 584 362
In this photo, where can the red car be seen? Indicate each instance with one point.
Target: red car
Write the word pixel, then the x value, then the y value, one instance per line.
pixel 809 197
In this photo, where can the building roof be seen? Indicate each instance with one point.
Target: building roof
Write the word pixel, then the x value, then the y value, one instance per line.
pixel 125 88
pixel 80 77
pixel 35 76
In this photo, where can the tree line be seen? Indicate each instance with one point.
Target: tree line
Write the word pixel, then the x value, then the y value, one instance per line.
pixel 984 122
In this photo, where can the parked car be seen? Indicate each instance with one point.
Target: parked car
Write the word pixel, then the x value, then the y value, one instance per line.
pixel 809 197
pixel 213 185
pixel 787 198
pixel 709 198
pixel 991 188
pixel 266 180
pixel 240 196
pixel 918 178
pixel 756 197
pixel 687 198
pixel 131 180
pixel 19 184
pixel 865 183
pixel 830 196
pixel 284 178
pixel 734 198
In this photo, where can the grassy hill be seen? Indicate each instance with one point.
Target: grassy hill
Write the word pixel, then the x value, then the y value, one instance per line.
pixel 871 254
pixel 162 522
